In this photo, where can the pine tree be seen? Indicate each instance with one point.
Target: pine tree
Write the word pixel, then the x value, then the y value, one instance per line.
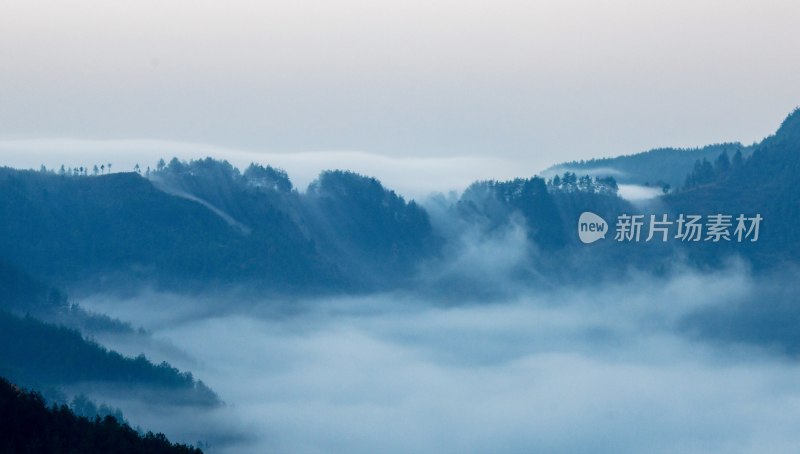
pixel 737 159
pixel 722 164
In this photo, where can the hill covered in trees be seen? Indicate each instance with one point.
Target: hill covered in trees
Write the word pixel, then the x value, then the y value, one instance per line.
pixel 60 361
pixel 22 294
pixel 45 356
pixel 65 366
pixel 658 167
pixel 207 223
pixel 766 183
pixel 28 425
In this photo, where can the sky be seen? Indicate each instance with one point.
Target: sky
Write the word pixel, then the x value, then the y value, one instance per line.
pixel 424 94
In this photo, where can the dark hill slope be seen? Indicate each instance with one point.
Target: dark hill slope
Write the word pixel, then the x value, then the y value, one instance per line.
pixel 768 183
pixel 121 228
pixel 27 425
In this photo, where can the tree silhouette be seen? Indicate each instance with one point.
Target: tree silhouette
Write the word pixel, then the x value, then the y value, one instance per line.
pixel 737 159
pixel 28 425
pixel 702 173
pixel 722 164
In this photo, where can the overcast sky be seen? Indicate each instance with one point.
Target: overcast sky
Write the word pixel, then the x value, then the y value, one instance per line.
pixel 500 87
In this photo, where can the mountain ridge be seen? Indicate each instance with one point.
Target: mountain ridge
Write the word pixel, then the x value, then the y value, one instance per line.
pixel 207 223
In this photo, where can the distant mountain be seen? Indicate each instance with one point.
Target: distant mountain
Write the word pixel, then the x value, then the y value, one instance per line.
pixel 727 179
pixel 204 223
pixel 201 224
pixel 345 226
pixel 657 167
pixel 549 216
pixel 72 228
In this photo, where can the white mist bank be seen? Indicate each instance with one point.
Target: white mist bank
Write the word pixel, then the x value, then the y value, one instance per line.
pixel 637 193
pixel 412 176
pixel 598 370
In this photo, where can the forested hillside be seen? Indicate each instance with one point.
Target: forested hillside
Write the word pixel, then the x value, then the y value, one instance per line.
pixel 28 425
pixel 764 184
pixel 34 353
pixel 657 167
pixel 205 223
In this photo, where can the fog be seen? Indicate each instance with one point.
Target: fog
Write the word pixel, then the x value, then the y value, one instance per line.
pixel 633 192
pixel 410 175
pixel 592 369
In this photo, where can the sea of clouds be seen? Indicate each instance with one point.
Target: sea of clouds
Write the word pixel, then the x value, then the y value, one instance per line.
pixel 604 368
